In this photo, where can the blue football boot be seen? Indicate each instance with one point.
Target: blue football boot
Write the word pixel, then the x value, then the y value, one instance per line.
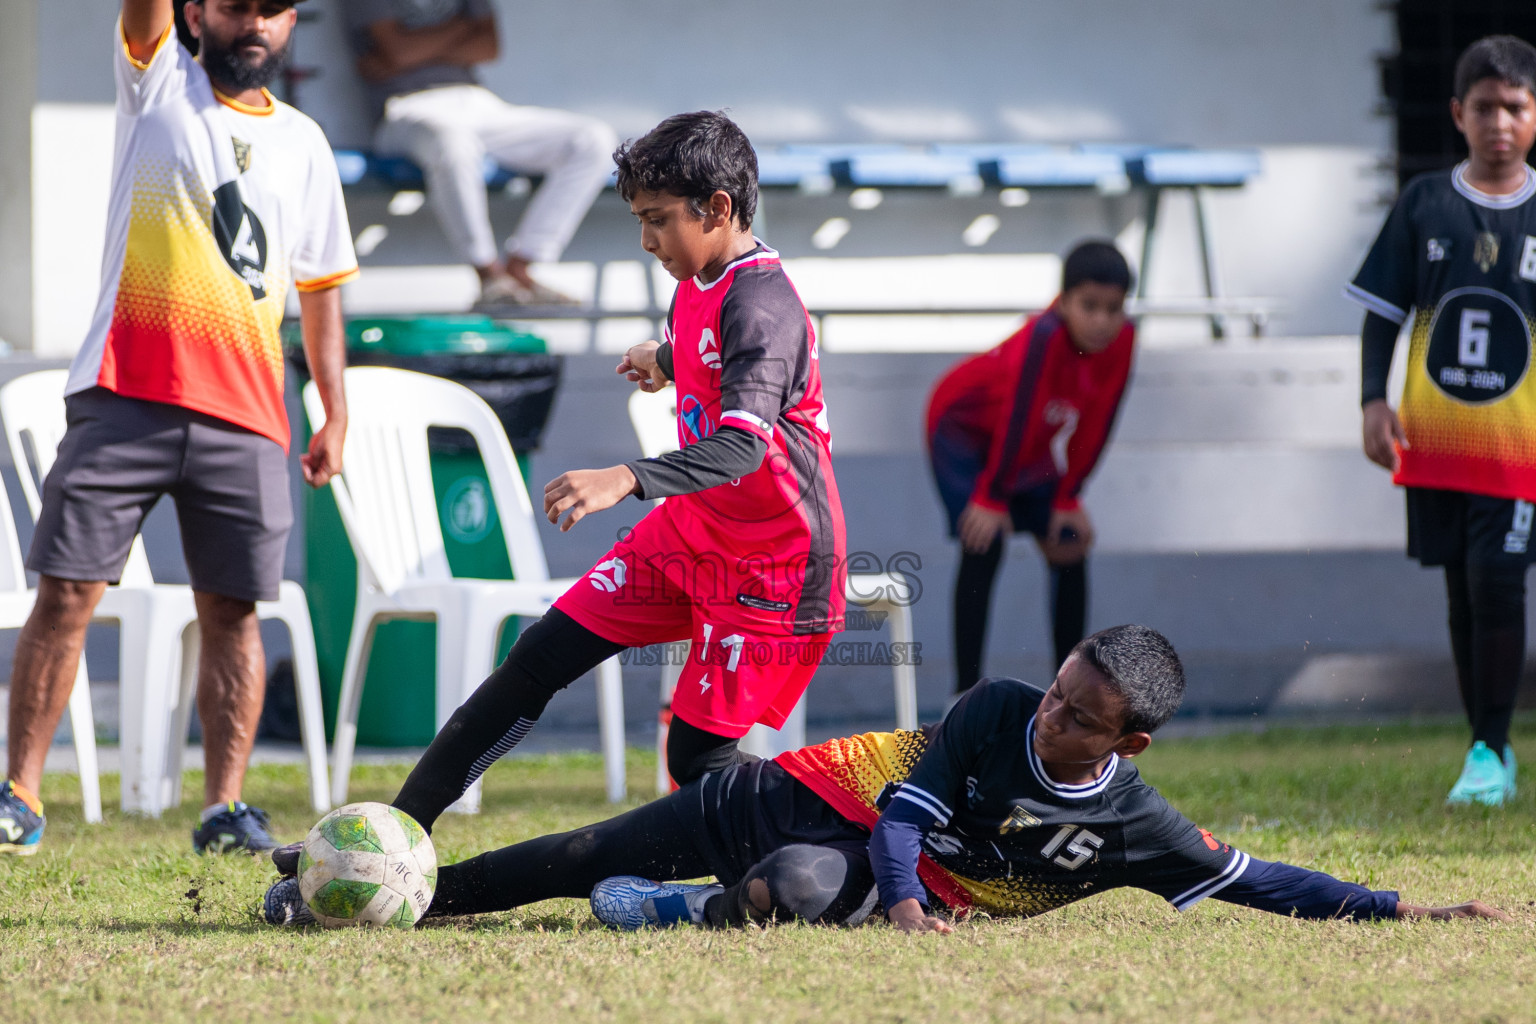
pixel 628 903
pixel 284 907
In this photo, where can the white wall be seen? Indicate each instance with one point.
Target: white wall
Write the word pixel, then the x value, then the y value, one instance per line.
pixel 1202 72
pixel 18 62
pixel 1297 79
pixel 71 165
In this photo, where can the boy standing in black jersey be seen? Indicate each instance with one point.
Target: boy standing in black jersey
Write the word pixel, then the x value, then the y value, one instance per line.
pixel 1458 251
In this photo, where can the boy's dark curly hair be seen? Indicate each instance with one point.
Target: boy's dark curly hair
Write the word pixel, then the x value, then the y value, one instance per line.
pixel 694 156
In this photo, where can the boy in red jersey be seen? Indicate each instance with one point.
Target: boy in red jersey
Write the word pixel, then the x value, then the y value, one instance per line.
pixel 1013 434
pixel 746 559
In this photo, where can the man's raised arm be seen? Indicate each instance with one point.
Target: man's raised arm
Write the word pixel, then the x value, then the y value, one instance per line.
pixel 144 22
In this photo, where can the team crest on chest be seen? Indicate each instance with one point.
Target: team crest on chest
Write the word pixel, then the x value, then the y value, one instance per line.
pixel 709 349
pixel 1485 250
pixel 242 154
pixel 696 421
pixel 1019 820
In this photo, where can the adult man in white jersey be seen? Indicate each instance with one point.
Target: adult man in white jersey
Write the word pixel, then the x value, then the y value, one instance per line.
pixel 221 197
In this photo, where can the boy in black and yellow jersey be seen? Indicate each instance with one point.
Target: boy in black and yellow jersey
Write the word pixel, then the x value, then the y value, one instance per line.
pixel 1020 802
pixel 1458 252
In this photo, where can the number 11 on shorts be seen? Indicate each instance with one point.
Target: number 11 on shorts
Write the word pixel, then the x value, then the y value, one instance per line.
pixel 732 644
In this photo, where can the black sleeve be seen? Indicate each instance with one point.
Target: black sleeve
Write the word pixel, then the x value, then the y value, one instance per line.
pixel 938 780
pixel 664 359
pixel 1167 854
pixel 1378 337
pixel 1386 281
pixel 764 350
pixel 924 800
pixel 726 454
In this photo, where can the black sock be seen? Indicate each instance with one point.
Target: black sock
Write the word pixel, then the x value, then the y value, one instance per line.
pixel 548 656
pixel 1069 607
pixel 1459 619
pixel 973 602
pixel 1497 593
pixel 653 841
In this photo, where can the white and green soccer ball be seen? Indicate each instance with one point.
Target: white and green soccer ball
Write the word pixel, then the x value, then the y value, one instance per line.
pixel 367 864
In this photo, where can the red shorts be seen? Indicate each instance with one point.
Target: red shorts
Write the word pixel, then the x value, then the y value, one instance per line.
pixel 642 593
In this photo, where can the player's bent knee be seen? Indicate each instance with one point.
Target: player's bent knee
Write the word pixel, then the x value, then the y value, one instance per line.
pixel 801 882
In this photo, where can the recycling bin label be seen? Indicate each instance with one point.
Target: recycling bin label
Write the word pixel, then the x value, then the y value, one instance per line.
pixel 468 513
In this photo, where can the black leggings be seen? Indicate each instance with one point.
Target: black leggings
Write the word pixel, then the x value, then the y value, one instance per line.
pixel 1486 601
pixel 549 655
pixel 823 885
pixel 973 604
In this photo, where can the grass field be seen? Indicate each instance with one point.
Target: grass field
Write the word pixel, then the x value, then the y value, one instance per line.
pixel 122 922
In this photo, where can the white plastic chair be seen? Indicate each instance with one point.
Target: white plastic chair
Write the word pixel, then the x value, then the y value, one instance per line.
pixel 389 510
pixel 654 418
pixel 16 601
pixel 158 647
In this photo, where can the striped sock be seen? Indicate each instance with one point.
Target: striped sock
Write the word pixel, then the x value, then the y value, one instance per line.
pixel 511 738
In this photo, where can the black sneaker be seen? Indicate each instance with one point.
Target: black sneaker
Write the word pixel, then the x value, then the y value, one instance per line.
pixel 286 859
pixel 284 907
pixel 237 827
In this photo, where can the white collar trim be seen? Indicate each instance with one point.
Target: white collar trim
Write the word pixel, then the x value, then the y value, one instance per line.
pixel 1493 202
pixel 761 253
pixel 1076 791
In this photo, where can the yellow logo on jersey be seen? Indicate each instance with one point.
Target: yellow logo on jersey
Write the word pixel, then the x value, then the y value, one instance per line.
pixel 1485 250
pixel 1019 820
pixel 242 154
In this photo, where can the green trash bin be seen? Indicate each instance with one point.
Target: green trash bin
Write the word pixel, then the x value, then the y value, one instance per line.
pixel 513 373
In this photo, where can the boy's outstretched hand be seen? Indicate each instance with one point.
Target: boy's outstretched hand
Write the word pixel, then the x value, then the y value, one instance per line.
pixel 1382 434
pixel 583 491
pixel 1472 908
pixel 640 365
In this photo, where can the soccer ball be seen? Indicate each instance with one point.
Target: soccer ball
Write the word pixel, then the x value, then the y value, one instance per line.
pixel 367 864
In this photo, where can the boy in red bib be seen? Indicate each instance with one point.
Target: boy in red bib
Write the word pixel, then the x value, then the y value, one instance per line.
pixel 1013 434
pixel 747 557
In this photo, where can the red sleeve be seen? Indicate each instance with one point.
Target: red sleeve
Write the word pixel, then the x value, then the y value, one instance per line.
pixel 1100 408
pixel 1024 357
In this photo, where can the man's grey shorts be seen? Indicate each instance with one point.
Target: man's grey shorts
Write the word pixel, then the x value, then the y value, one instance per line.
pixel 120 455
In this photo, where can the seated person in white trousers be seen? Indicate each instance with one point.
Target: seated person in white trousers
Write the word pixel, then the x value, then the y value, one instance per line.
pixel 418 58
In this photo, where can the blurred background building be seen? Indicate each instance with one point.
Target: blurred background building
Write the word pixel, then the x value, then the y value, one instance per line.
pixel 1236 512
